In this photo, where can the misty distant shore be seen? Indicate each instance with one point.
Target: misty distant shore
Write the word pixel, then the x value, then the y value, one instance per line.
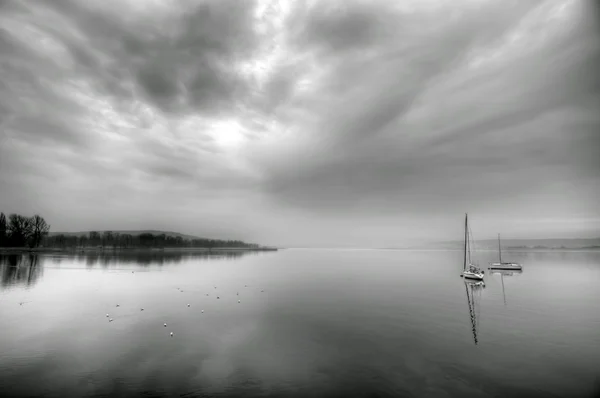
pixel 523 244
pixel 507 249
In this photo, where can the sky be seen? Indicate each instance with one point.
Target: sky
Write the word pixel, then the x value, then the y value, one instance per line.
pixel 303 123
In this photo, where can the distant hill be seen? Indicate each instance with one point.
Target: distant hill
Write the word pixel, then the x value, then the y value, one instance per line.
pixel 132 233
pixel 492 244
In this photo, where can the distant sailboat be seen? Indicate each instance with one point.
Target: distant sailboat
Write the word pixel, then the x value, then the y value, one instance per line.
pixel 501 265
pixel 470 270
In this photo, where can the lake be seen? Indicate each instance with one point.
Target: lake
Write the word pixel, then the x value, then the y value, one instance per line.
pixel 309 323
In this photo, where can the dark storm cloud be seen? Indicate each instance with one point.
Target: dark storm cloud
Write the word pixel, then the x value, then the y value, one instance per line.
pixel 339 26
pixel 182 62
pixel 196 64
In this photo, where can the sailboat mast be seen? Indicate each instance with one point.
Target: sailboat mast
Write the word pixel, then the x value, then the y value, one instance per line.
pixel 499 250
pixel 466 238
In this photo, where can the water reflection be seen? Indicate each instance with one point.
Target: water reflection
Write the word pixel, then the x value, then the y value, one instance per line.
pixel 504 273
pixel 27 269
pixel 20 269
pixel 329 323
pixel 153 257
pixel 473 289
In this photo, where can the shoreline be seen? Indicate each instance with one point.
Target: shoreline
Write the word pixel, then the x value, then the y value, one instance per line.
pixel 49 250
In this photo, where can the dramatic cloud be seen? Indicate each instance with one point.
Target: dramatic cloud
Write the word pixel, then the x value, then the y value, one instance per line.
pixel 308 122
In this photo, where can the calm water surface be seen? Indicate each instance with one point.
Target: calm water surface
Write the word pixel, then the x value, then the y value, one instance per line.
pixel 310 323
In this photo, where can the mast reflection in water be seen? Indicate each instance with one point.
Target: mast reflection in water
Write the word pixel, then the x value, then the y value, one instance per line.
pixel 473 289
pixel 502 274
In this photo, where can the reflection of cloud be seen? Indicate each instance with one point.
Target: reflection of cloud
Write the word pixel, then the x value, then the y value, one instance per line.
pixel 225 363
pixel 20 269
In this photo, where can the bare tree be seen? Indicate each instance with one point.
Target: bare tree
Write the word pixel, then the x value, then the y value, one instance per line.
pixel 3 230
pixel 20 230
pixel 39 229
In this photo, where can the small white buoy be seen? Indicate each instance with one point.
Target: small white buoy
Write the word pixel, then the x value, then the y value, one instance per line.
pixel 238 301
pixel 107 315
pixel 188 305
pixel 202 311
pixel 171 334
pixel 165 325
pixel 110 320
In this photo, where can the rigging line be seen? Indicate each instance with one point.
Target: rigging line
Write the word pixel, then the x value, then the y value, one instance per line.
pixel 472 238
pixel 473 244
pixel 470 244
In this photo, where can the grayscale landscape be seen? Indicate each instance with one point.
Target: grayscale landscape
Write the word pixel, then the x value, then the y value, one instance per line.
pixel 311 198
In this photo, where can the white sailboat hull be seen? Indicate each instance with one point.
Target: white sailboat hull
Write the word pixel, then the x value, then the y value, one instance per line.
pixel 473 275
pixel 506 266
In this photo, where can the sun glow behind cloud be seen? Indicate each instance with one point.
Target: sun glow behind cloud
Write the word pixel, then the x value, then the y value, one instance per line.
pixel 227 134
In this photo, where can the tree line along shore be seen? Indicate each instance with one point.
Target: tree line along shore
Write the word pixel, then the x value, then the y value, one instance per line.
pixel 19 232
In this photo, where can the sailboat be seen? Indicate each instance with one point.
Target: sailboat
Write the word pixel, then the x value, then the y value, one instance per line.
pixel 470 270
pixel 501 265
